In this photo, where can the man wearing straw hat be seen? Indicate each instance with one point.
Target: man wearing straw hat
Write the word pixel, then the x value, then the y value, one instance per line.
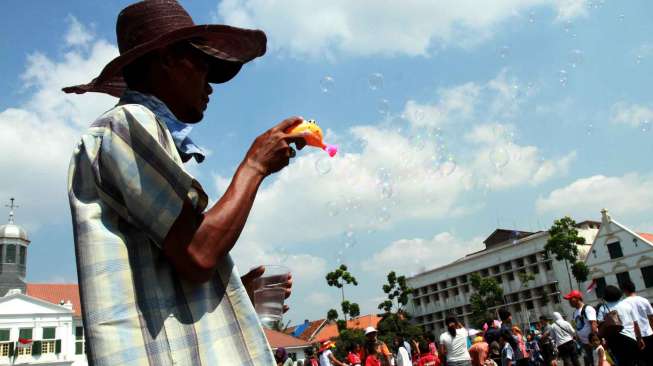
pixel 157 283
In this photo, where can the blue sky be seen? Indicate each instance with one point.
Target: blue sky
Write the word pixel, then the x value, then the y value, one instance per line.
pixel 453 118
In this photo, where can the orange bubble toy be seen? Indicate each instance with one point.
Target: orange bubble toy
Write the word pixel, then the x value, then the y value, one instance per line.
pixel 313 135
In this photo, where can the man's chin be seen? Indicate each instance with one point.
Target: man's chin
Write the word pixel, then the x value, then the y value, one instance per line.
pixel 194 118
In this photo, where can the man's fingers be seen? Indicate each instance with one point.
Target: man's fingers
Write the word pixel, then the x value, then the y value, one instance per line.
pixel 296 138
pixel 286 308
pixel 253 274
pixel 287 124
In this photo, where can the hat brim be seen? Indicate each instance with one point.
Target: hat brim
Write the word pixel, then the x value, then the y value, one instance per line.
pixel 228 48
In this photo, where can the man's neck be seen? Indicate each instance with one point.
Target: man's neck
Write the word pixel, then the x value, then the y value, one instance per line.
pixel 580 305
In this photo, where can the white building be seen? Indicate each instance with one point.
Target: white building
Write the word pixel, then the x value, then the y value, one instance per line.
pixel 618 255
pixel 40 324
pixel 445 290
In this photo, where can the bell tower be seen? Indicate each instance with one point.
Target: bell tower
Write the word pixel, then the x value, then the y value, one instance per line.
pixel 13 253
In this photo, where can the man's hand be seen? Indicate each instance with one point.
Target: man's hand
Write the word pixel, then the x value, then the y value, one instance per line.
pixel 249 281
pixel 271 151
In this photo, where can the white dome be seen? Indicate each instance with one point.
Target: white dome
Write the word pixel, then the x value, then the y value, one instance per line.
pixel 13 231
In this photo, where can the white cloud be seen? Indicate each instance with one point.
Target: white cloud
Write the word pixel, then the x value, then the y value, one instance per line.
pixel 367 27
pixel 38 137
pixel 628 195
pixel 320 299
pixel 78 34
pixel 409 256
pixel 634 115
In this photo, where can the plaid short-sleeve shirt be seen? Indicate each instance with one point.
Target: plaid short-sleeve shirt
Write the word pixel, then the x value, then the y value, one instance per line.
pixel 126 187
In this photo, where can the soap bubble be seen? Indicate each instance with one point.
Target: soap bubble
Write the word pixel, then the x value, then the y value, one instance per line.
pixel 621 17
pixel 563 77
pixel 327 84
pixel 504 51
pixel 323 165
pixel 383 174
pixel 448 166
pixel 376 81
pixel 349 239
pixel 645 125
pixel 590 129
pixel 417 141
pixel 575 58
pixel 568 26
pixel 386 190
pixel 383 215
pixel 383 107
pixel 638 59
pixel 282 255
pixel 531 17
pixel 499 156
pixel 332 208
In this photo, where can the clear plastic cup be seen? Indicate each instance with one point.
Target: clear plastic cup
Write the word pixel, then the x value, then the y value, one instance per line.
pixel 270 293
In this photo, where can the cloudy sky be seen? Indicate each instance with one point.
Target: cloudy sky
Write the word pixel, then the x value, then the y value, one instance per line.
pixel 453 118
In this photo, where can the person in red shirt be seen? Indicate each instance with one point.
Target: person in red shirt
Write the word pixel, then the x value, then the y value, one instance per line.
pixel 479 351
pixel 353 355
pixel 427 358
pixel 372 358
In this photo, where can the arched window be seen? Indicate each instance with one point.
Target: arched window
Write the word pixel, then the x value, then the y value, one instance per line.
pixel 22 254
pixel 11 254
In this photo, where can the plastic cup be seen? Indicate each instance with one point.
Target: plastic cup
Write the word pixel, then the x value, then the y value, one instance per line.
pixel 270 293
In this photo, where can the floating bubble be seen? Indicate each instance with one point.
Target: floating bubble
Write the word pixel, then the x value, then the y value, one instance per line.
pixel 417 114
pixel 383 107
pixel 638 59
pixel 448 166
pixel 323 165
pixel 383 215
pixel 332 208
pixel 621 17
pixel 575 58
pixel 645 126
pixel 417 141
pixel 376 81
pixel 531 17
pixel 590 129
pixel 568 26
pixel 499 157
pixel 504 51
pixel 282 255
pixel 383 174
pixel 349 239
pixel 327 84
pixel 563 78
pixel 386 190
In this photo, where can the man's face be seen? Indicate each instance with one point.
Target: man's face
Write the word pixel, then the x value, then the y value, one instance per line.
pixel 371 336
pixel 573 302
pixel 189 89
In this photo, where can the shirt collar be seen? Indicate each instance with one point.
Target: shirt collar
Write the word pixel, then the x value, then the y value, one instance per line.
pixel 178 130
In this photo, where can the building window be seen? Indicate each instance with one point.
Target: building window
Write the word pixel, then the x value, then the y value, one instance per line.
pixel 415 301
pixel 499 279
pixel 463 278
pixel 520 262
pixel 507 266
pixel 427 300
pixel 11 254
pixel 466 288
pixel 615 250
pixel 511 276
pixel 532 258
pixel 622 279
pixel 48 345
pixel 22 255
pixel 1 252
pixel 485 273
pixel 535 269
pixel 25 333
pixel 455 291
pixel 4 343
pixel 548 265
pixel 600 287
pixel 529 305
pixel 647 273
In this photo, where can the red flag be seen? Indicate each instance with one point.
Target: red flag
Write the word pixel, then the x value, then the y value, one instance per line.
pixel 591 287
pixel 24 341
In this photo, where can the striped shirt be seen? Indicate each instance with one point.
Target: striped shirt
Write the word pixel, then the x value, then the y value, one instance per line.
pixel 126 186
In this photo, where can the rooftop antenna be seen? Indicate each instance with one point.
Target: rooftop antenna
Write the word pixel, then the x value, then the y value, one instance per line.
pixel 11 206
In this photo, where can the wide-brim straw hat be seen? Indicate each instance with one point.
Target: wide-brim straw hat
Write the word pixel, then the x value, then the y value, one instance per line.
pixel 153 24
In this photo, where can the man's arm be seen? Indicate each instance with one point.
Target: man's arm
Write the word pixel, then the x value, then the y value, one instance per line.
pixel 196 242
pixel 335 361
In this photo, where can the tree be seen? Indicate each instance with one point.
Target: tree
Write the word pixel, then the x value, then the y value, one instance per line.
pixel 487 294
pixel 580 271
pixel 340 278
pixel 392 325
pixel 398 294
pixel 525 277
pixel 563 243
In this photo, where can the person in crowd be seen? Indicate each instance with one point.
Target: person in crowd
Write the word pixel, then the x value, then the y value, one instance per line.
pixel 311 360
pixel 643 312
pixel 372 354
pixel 282 358
pixel 585 320
pixel 479 351
pixel 433 347
pixel 427 358
pixel 327 358
pixel 495 352
pixel 453 344
pixel 492 333
pixel 506 327
pixel 563 335
pixel 507 353
pixel 625 346
pixel 383 352
pixel 521 344
pixel 534 353
pixel 403 356
pixel 546 343
pixel 599 357
pixel 353 355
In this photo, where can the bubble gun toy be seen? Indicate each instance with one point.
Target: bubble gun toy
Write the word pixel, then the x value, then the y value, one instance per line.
pixel 313 135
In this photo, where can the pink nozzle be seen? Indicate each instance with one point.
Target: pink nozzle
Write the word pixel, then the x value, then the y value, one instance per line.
pixel 331 149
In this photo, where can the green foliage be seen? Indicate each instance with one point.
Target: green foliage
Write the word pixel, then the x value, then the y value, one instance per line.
pixel 393 325
pixel 580 271
pixel 525 277
pixel 397 290
pixel 346 338
pixel 487 294
pixel 339 278
pixel 563 238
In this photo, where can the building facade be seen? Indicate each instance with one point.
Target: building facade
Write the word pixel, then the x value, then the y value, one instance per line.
pixel 618 255
pixel 13 254
pixel 446 290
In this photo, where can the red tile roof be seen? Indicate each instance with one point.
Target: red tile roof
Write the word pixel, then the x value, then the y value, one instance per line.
pixel 309 331
pixel 278 339
pixel 55 293
pixel 648 237
pixel 331 330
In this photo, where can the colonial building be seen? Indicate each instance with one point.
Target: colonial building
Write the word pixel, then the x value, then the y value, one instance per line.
pixel 39 323
pixel 446 290
pixel 618 255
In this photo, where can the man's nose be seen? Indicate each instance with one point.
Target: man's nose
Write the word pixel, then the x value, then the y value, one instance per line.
pixel 209 89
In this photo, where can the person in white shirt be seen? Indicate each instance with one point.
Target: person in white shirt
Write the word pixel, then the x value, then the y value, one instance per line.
pixel 643 312
pixel 403 355
pixel 585 320
pixel 453 344
pixel 563 335
pixel 625 345
pixel 326 355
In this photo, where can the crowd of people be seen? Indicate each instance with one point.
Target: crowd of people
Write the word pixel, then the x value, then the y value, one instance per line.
pixel 616 332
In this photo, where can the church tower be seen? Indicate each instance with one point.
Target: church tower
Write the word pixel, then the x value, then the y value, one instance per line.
pixel 13 254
